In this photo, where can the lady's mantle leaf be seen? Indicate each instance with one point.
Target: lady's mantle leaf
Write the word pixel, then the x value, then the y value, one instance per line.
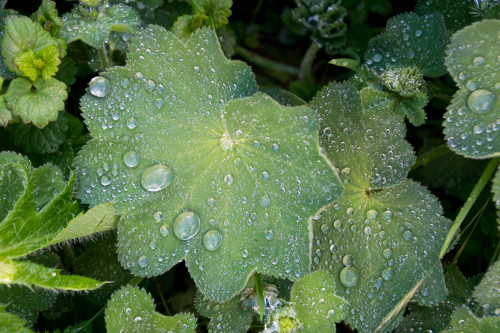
pixel 228 186
pixel 465 321
pixel 316 304
pixel 37 102
pixel 132 309
pixel 471 125
pixel 496 188
pixel 21 35
pixel 487 293
pixel 384 233
pixel 456 13
pixel 95 32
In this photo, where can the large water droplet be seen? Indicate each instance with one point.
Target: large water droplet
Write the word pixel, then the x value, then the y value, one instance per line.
pixel 265 201
pixel 212 240
pixel 186 225
pixel 105 181
pixel 372 214
pixel 387 274
pixel 143 261
pixel 165 230
pixel 131 159
pixel 99 86
pixel 156 178
pixel 349 276
pixel 481 101
pixel 228 179
pixel 158 216
pixel 131 123
pixel 478 61
pixel 387 253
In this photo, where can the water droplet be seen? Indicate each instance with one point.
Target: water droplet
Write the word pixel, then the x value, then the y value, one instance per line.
pixel 196 68
pixel 245 254
pixel 349 276
pixel 152 244
pixel 337 224
pixel 331 313
pixel 372 214
pixel 350 211
pixel 325 228
pixel 99 86
pixel 159 103
pixel 158 216
pixel 348 260
pixel 212 240
pixel 128 310
pixel 275 147
pixel 377 57
pixel 211 201
pixel 418 33
pixel 346 171
pixel 265 201
pixel 269 235
pixel 143 261
pixel 131 123
pixel 387 253
pixel 138 320
pixel 478 129
pixel 265 175
pixel 471 85
pixel 164 230
pixel 186 225
pixel 228 179
pixel 407 235
pixel 478 61
pixel 105 181
pixel 387 274
pixel 387 215
pixel 156 178
pixel 131 159
pixel 481 101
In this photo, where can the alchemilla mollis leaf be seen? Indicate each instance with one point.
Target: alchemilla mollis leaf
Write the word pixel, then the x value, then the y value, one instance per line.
pixel 197 171
pixel 471 123
pixel 385 232
pixel 132 310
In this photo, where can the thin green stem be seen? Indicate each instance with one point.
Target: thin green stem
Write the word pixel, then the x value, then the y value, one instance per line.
pixel 103 58
pixel 260 294
pixel 481 183
pixel 266 63
pixel 163 302
pixel 307 61
pixel 495 254
pixel 425 158
pixel 134 281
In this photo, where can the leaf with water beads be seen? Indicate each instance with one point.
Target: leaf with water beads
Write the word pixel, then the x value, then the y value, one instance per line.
pixel 487 293
pixel 385 232
pixel 456 13
pixel 465 321
pixel 472 121
pixel 316 304
pixel 496 188
pixel 132 309
pixel 94 32
pixel 229 186
pixel 410 40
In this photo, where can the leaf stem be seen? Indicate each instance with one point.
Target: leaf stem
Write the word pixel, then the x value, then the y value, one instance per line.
pixel 481 183
pixel 260 294
pixel 134 281
pixel 426 157
pixel 103 57
pixel 266 63
pixel 163 302
pixel 307 61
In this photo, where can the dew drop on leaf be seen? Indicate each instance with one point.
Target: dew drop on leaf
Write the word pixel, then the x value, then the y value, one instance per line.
pixel 481 101
pixel 387 274
pixel 372 214
pixel 228 179
pixel 349 276
pixel 186 225
pixel 158 216
pixel 143 261
pixel 164 230
pixel 99 86
pixel 212 240
pixel 156 178
pixel 105 181
pixel 275 147
pixel 269 235
pixel 265 201
pixel 132 123
pixel 131 159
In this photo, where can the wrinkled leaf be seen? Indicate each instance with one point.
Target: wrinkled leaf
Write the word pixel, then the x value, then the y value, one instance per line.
pixel 4 71
pixel 229 186
pixel 47 16
pixel 384 233
pixel 36 102
pixel 95 32
pixel 214 12
pixel 471 121
pixel 5 113
pixel 133 310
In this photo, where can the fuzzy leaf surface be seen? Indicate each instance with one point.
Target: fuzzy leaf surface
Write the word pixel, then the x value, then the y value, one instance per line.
pixel 410 40
pixel 5 113
pixel 471 122
pixel 465 321
pixel 456 13
pixel 385 232
pixel 95 32
pixel 487 293
pixel 249 169
pixel 12 323
pixel 132 309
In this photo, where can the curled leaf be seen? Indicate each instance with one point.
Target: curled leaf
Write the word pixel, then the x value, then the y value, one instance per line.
pixel 40 63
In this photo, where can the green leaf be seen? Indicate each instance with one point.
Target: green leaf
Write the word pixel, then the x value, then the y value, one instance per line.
pixel 11 323
pixel 21 35
pixel 384 234
pixel 5 113
pixel 31 139
pixel 456 13
pixel 100 262
pixel 316 304
pixel 132 309
pixel 214 12
pixel 95 32
pixel 464 321
pixel 36 102
pixel 229 316
pixel 41 63
pixel 496 188
pixel 487 293
pixel 345 62
pixel 181 148
pixel 29 274
pixel 47 16
pixel 67 71
pixel 184 26
pixel 473 113
pixel 402 45
pixel 4 71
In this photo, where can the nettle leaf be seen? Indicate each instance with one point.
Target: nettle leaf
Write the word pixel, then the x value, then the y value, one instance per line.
pixel 316 303
pixel 95 32
pixel 472 117
pixel 5 113
pixel 21 35
pixel 229 316
pixel 229 186
pixel 385 232
pixel 4 71
pixel 456 13
pixel 36 102
pixel 214 12
pixel 40 63
pixel 410 40
pixel 465 321
pixel 12 323
pixel 132 309
pixel 47 16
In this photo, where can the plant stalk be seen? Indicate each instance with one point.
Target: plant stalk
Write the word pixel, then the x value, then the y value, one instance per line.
pixel 266 63
pixel 307 61
pixel 103 58
pixel 425 158
pixel 260 294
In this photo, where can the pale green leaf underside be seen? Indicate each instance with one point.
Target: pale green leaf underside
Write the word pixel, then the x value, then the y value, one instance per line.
pixel 132 310
pixel 95 32
pixel 316 303
pixel 29 274
pixel 471 122
pixel 249 168
pixel 410 40
pixel 376 241
pixel 229 316
pixel 464 321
